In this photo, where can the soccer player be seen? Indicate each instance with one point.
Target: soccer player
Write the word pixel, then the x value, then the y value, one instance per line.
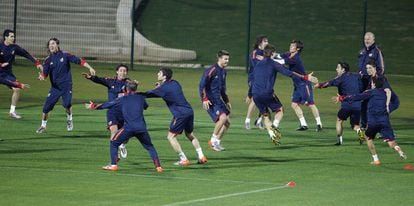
pixel 378 117
pixel 132 106
pixel 348 83
pixel 214 98
pixel 116 88
pixel 369 51
pixel 183 115
pixel 57 66
pixel 302 93
pixel 372 71
pixel 257 55
pixel 265 74
pixel 8 51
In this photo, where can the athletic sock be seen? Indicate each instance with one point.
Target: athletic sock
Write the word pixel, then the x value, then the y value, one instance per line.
pixel 182 156
pixel 69 116
pixel 375 157
pixel 12 108
pixel 318 121
pixel 303 121
pixel 276 123
pixel 200 152
pixel 44 123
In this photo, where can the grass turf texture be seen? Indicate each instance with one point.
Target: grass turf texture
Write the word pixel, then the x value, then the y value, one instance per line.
pixel 63 168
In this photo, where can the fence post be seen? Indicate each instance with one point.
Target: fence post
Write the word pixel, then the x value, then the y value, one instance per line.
pixel 15 18
pixel 249 15
pixel 132 35
pixel 365 20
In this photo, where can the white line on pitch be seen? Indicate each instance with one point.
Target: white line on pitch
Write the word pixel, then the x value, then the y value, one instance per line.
pixel 225 196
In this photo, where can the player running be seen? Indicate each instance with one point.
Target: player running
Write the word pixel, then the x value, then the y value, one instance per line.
pixel 8 51
pixel 132 106
pixel 183 115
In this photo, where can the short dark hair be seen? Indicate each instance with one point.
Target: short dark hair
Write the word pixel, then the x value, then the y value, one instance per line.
pixel 269 50
pixel 222 53
pixel 259 40
pixel 6 33
pixel 344 65
pixel 167 72
pixel 378 81
pixel 299 44
pixel 131 86
pixel 121 65
pixel 371 61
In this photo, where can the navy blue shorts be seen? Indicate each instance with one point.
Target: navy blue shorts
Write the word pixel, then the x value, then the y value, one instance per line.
pixel 216 110
pixel 180 124
pixel 384 128
pixel 353 114
pixel 53 97
pixel 264 102
pixel 114 117
pixel 8 80
pixel 303 94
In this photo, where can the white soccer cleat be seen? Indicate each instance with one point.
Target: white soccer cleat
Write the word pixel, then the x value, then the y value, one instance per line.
pixel 69 125
pixel 14 115
pixel 215 146
pixel 40 130
pixel 123 151
pixel 247 124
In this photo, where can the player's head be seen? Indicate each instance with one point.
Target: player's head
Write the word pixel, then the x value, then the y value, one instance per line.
pixel 369 39
pixel 132 86
pixel 378 82
pixel 296 46
pixel 8 36
pixel 53 45
pixel 269 51
pixel 261 42
pixel 371 67
pixel 121 71
pixel 165 74
pixel 223 58
pixel 342 67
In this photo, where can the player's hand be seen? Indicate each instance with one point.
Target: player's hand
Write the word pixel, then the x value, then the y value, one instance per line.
pixel 90 105
pixel 4 64
pixel 228 105
pixel 206 104
pixel 312 79
pixel 248 100
pixel 86 75
pixel 317 85
pixel 337 99
pixel 92 71
pixel 157 84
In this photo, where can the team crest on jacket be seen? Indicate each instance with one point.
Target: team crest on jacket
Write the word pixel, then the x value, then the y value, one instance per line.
pixel 217 112
pixel 61 59
pixel 370 55
pixel 12 52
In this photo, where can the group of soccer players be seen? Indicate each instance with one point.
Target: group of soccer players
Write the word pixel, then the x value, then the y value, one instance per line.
pixel 366 97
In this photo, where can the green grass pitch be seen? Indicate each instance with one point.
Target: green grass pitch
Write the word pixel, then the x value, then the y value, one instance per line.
pixel 64 168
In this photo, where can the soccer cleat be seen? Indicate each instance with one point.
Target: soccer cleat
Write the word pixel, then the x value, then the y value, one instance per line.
pixel 159 169
pixel 122 150
pixel 113 168
pixel 14 115
pixel 247 125
pixel 318 128
pixel 69 125
pixel 302 128
pixel 182 163
pixel 276 135
pixel 214 146
pixel 361 136
pixel 41 129
pixel 338 143
pixel 202 160
pixel 258 124
pixel 377 162
pixel 403 156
